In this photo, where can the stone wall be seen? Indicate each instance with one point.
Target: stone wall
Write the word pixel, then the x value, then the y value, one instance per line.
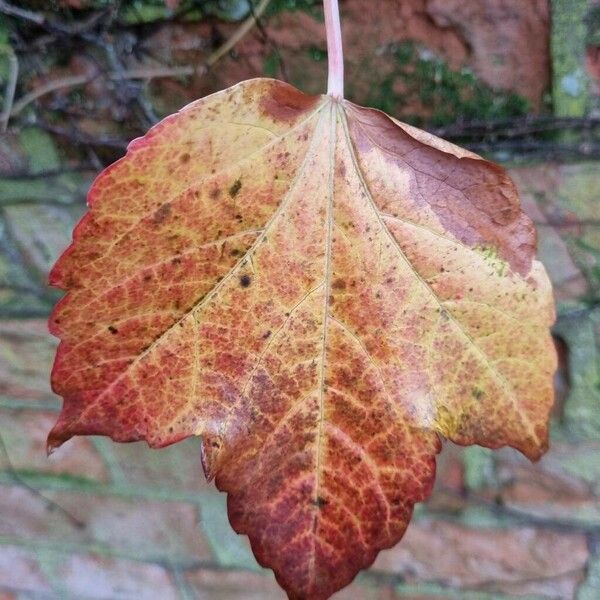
pixel 119 522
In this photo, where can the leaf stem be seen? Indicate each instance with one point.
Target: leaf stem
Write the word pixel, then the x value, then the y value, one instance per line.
pixel 335 52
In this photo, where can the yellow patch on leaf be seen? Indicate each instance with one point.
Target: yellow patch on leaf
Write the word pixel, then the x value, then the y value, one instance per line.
pixel 320 292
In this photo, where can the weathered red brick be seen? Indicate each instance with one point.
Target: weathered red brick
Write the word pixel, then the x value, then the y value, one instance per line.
pixel 104 578
pixel 27 352
pixel 24 434
pixel 175 467
pixel 209 584
pixel 538 186
pixel 522 560
pixel 20 571
pixel 562 487
pixel 449 481
pixel 144 529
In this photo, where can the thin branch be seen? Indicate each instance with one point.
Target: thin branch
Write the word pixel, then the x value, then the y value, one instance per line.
pixel 21 13
pixel 47 88
pixel 146 73
pixel 29 175
pixel 275 47
pixel 79 137
pixel 238 34
pixel 11 86
pixel 51 504
pixel 517 127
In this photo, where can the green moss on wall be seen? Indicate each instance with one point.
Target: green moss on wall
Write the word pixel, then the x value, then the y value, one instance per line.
pixel 424 83
pixel 568 44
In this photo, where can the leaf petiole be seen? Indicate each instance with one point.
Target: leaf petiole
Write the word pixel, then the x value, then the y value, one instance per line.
pixel 335 52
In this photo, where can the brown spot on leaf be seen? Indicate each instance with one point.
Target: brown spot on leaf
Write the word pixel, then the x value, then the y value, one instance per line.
pixel 235 188
pixel 286 103
pixel 245 281
pixel 162 213
pixel 320 502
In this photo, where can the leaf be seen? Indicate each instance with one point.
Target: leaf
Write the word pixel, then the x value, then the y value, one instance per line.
pixel 318 291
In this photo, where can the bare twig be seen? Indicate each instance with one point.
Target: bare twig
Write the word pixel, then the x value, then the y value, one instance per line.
pixel 81 138
pixel 47 88
pixel 238 34
pixel 55 26
pixel 78 80
pixel 11 86
pixel 146 73
pixel 29 175
pixel 275 47
pixel 21 13
pixel 51 504
pixel 517 126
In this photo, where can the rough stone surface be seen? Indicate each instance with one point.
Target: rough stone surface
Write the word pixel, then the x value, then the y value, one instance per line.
pixel 522 560
pixel 108 521
pixel 148 530
pixel 109 578
pixel 563 487
pixel 20 571
pixel 175 467
pixel 504 42
pixel 218 585
pixel 508 40
pixel 26 354
pixel 25 432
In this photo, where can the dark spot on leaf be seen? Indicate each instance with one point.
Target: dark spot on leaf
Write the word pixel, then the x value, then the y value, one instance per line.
pixel 185 157
pixel 162 213
pixel 320 502
pixel 477 393
pixel 113 330
pixel 235 188
pixel 267 335
pixel 245 281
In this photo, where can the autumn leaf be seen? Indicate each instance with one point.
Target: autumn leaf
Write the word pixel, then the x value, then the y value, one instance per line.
pixel 318 291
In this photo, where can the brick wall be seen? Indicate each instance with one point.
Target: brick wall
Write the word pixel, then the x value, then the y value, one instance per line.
pixel 122 522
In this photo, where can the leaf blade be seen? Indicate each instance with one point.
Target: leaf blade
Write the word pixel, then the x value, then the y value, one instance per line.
pixel 316 304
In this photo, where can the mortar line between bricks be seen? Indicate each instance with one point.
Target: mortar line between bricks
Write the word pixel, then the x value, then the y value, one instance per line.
pixel 105 450
pixel 8 402
pixel 70 548
pixel 46 483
